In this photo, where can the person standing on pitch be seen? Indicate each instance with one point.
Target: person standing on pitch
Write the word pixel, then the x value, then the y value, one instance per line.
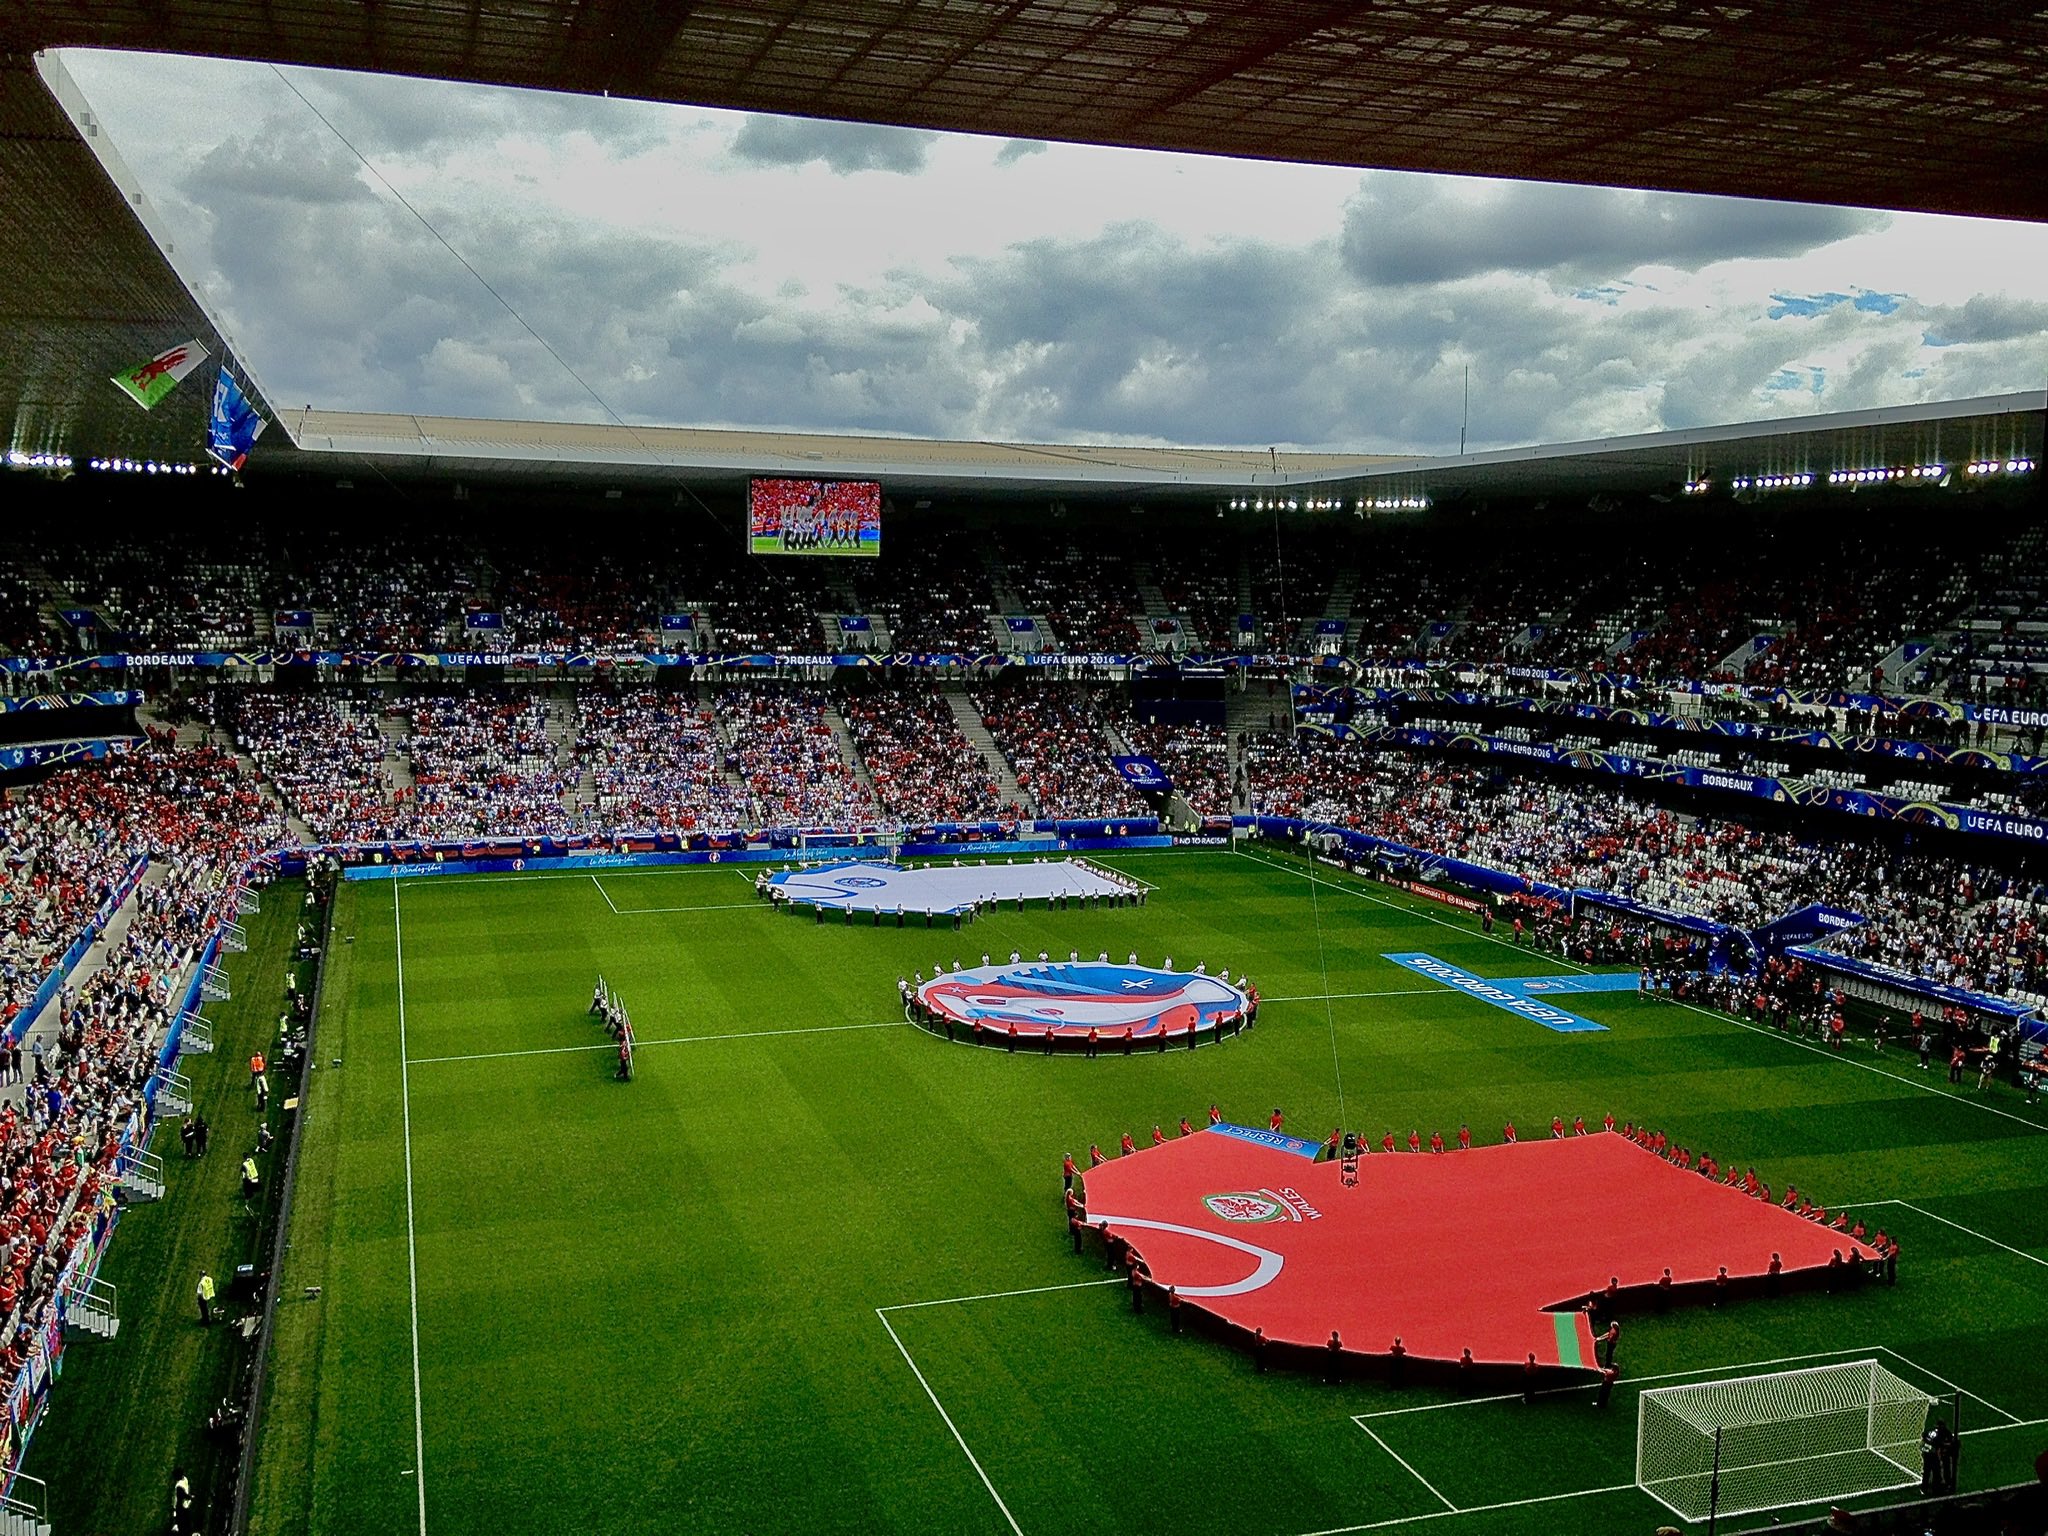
pixel 181 1502
pixel 205 1299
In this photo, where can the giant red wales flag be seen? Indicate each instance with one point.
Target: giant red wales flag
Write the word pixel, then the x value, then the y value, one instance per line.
pixel 1490 1250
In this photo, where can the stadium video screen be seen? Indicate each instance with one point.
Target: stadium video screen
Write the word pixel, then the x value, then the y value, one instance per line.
pixel 815 517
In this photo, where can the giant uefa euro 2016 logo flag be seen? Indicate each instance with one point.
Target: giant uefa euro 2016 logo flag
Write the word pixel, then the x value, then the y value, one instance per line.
pixel 1065 998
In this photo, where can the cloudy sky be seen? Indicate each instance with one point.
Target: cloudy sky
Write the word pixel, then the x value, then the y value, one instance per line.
pixel 719 269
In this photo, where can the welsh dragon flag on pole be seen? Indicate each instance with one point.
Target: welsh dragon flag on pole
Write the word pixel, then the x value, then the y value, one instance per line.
pixel 147 383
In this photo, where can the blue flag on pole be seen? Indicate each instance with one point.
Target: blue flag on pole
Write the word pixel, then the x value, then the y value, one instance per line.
pixel 234 426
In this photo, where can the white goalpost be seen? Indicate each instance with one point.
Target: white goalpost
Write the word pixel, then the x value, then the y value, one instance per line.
pixel 1752 1443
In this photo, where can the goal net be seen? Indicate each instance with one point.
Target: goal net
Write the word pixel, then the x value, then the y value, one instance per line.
pixel 1792 1437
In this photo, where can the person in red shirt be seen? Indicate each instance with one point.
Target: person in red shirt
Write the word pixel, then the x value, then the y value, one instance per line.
pixel 1415 1141
pixel 1068 1170
pixel 1607 1124
pixel 1336 1140
pixel 1095 1157
pixel 1464 1138
pixel 1507 1133
pixel 1578 1125
pixel 1529 1378
pixel 1158 1137
pixel 1436 1141
pixel 1215 1115
pixel 1387 1142
pixel 1397 1355
pixel 1664 1289
pixel 1185 1128
pixel 1557 1128
pixel 1275 1123
pixel 1127 1147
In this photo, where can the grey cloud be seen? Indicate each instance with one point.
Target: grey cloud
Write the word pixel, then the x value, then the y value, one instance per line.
pixel 1986 317
pixel 341 298
pixel 1402 230
pixel 1014 150
pixel 845 147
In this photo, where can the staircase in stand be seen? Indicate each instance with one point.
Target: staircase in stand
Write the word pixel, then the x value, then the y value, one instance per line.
pixel 977 733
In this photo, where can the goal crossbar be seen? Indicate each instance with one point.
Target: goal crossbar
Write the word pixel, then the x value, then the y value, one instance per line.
pixel 1750 1443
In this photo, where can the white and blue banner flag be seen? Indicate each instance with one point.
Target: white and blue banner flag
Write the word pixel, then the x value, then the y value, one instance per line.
pixel 234 425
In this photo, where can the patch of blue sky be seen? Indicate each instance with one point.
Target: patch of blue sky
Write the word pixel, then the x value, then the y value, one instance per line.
pixel 1805 306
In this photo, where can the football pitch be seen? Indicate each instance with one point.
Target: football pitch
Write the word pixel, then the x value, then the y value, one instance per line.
pixel 809 1272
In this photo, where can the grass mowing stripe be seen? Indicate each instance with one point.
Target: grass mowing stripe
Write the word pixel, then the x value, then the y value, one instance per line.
pixel 639 1305
pixel 412 1262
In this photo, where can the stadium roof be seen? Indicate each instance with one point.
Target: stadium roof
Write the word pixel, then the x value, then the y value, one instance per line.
pixel 1881 103
pixel 1886 103
pixel 1951 433
pixel 442 447
pixel 447 446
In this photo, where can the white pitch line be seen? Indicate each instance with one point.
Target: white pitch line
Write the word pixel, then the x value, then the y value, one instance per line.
pixel 1403 1460
pixel 1029 1290
pixel 607 895
pixel 1338 997
pixel 958 1439
pixel 1473 1509
pixel 412 1269
pixel 1999 1429
pixel 744 1034
pixel 1953 1386
pixel 1594 1386
pixel 1864 1066
pixel 1705 1013
pixel 1972 1231
pixel 726 906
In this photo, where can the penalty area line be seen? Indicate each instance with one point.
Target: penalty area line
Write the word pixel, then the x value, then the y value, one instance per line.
pixel 607 895
pixel 958 1438
pixel 1403 1460
pixel 882 1316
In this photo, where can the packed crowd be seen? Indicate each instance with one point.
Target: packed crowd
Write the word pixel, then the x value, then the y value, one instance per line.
pixel 923 767
pixel 1740 596
pixel 197 819
pixel 322 750
pixel 781 746
pixel 482 765
pixel 1053 738
pixel 656 762
pixel 1928 916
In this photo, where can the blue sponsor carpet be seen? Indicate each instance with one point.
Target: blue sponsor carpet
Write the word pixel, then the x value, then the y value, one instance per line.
pixel 1525 996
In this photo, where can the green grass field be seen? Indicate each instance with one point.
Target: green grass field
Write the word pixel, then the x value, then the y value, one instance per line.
pixel 809 1272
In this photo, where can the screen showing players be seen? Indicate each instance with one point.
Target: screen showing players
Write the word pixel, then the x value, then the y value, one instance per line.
pixel 815 517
